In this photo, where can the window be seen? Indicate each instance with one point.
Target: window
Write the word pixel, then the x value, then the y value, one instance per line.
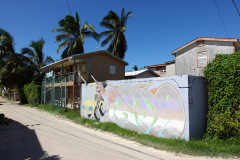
pixel 202 59
pixel 163 70
pixel 83 68
pixel 112 69
pixel 200 43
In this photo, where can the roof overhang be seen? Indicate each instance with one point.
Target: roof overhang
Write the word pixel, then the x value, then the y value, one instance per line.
pixel 204 39
pixel 79 57
pixel 156 65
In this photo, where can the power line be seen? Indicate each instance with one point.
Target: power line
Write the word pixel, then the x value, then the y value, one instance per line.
pixel 221 18
pixel 69 8
pixel 236 7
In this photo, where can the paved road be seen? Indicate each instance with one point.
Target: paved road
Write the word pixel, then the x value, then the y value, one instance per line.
pixel 36 134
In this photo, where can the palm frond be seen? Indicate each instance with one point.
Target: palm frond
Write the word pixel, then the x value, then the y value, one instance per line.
pixel 28 51
pixel 109 38
pixel 111 46
pixel 125 18
pixel 62 37
pixel 105 33
pixel 61 30
pixel 64 44
pixel 48 60
pixel 107 25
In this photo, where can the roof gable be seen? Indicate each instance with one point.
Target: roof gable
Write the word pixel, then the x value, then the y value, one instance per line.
pixel 84 55
pixel 204 39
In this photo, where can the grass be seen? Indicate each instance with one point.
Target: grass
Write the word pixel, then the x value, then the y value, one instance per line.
pixel 196 147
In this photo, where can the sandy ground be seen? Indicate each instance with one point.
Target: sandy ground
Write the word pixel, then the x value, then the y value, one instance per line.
pixel 37 134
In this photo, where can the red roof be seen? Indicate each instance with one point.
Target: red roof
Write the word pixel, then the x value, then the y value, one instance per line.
pixel 207 39
pixel 156 65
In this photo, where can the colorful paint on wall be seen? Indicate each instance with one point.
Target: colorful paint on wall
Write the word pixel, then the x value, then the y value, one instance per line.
pixel 93 106
pixel 147 107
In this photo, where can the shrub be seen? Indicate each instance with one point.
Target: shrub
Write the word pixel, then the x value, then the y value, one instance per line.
pixel 222 76
pixel 32 92
pixel 22 96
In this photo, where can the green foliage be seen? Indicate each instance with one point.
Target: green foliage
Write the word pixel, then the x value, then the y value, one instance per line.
pixel 22 97
pixel 36 54
pixel 32 92
pixel 116 26
pixel 223 84
pixel 72 35
pixel 4 94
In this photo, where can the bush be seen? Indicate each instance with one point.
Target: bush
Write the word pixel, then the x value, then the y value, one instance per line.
pixel 22 97
pixel 222 76
pixel 32 92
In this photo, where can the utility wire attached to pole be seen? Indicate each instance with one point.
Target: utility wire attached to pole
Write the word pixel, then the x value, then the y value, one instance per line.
pixel 236 7
pixel 221 19
pixel 69 8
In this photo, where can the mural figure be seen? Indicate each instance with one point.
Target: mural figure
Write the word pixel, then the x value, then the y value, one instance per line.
pixel 93 105
pixel 99 110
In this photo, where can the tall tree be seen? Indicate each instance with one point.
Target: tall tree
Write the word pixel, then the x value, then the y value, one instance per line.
pixel 135 68
pixel 16 69
pixel 6 44
pixel 115 34
pixel 35 52
pixel 72 35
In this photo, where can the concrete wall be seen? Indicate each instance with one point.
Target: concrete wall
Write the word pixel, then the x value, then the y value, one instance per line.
pixel 155 106
pixel 186 59
pixel 170 69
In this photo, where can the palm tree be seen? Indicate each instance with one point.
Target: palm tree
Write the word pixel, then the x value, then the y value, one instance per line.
pixel 35 52
pixel 6 44
pixel 73 35
pixel 135 68
pixel 115 34
pixel 16 69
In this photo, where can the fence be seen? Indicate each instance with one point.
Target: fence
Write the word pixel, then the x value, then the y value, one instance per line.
pixel 168 107
pixel 61 91
pixel 54 91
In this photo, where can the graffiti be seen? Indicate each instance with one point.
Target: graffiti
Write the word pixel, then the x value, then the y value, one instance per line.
pixel 93 105
pixel 158 111
pixel 149 108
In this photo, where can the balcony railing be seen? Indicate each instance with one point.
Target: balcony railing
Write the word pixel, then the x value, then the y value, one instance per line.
pixel 69 77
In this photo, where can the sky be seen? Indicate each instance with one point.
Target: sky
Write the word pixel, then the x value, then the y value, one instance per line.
pixel 156 28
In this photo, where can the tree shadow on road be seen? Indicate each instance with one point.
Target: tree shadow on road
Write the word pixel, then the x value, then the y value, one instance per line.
pixel 19 142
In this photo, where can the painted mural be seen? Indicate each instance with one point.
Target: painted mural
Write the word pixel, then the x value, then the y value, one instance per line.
pixel 93 106
pixel 147 107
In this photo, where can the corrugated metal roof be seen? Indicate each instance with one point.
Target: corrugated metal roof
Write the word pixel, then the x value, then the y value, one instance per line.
pixel 134 73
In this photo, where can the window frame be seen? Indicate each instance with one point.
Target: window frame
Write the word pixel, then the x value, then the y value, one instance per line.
pixel 110 69
pixel 163 70
pixel 83 72
pixel 207 58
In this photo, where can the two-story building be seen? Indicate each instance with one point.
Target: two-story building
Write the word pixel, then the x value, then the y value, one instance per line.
pixel 193 57
pixel 165 69
pixel 63 79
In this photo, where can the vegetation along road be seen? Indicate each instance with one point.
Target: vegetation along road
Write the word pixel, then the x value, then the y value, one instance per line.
pixel 35 134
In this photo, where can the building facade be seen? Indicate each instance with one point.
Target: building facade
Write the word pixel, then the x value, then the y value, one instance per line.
pixel 193 57
pixel 62 83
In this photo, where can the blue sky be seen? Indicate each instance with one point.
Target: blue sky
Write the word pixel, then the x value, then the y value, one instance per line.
pixel 156 28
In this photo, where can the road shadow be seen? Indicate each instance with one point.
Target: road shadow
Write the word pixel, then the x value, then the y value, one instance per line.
pixel 19 142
